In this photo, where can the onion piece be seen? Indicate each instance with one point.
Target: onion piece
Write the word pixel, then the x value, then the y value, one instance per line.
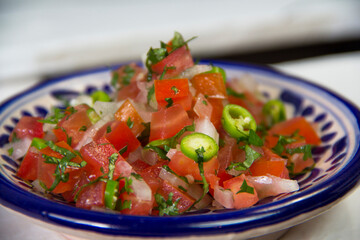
pixel 224 196
pixel 270 185
pixel 141 189
pixel 19 147
pixel 194 70
pixel 205 126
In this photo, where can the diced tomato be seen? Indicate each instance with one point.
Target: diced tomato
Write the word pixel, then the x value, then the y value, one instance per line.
pixel 130 91
pixel 175 89
pixel 151 175
pixel 217 109
pixel 269 163
pixel 129 73
pixel 210 84
pixel 69 127
pixel 242 199
pixel 291 126
pixel 121 136
pixel 253 104
pixel 27 127
pixel 185 200
pixel 139 165
pixel 176 62
pixel 297 160
pixel 128 111
pixel 183 166
pixel 137 206
pixel 92 196
pixel 167 122
pixel 28 169
pixel 97 154
pixel 202 107
pixel 46 170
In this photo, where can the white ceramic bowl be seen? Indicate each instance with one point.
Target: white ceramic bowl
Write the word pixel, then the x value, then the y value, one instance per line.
pixel 336 172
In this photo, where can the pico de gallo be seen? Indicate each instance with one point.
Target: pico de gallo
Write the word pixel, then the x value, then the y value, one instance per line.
pixel 175 136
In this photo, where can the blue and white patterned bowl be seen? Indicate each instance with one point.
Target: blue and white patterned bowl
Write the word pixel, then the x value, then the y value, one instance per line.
pixel 337 168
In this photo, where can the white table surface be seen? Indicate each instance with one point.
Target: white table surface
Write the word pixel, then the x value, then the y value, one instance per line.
pixel 340 73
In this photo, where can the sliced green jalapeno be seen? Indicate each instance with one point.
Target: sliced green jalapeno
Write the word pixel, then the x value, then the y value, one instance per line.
pixel 111 193
pixel 93 116
pixel 237 121
pixel 218 70
pixel 274 110
pixel 100 96
pixel 191 143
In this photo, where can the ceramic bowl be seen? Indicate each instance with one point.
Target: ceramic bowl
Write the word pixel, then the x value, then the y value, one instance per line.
pixel 336 172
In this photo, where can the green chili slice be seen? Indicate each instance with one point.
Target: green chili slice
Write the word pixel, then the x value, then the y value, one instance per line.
pixel 237 121
pixel 275 112
pixel 93 116
pixel 218 70
pixel 100 96
pixel 111 193
pixel 190 143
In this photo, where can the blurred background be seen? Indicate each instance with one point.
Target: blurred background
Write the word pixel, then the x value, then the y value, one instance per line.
pixel 314 39
pixel 40 39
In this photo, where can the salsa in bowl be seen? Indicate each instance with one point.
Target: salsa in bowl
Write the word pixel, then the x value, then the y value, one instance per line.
pixel 172 150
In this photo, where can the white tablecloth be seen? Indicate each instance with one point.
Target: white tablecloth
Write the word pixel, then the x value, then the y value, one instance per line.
pixel 340 73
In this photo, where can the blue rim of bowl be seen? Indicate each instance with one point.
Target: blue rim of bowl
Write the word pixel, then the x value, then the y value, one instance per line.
pixel 234 221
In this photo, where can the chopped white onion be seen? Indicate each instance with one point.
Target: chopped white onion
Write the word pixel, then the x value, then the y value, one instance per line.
pixel 19 148
pixel 173 179
pixel 194 70
pixel 205 126
pixel 106 108
pixel 150 157
pixel 82 99
pixel 271 186
pixel 141 189
pixel 135 155
pixel 224 196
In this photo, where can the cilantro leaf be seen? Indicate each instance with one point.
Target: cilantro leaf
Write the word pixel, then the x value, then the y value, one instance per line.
pixel 246 188
pixel 167 207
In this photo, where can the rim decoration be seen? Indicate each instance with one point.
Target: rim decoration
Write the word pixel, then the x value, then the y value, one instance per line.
pixel 336 172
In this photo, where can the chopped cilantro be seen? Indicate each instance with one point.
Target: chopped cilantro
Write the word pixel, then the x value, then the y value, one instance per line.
pixel 167 207
pixel 129 123
pixel 169 101
pixel 245 188
pixel 175 89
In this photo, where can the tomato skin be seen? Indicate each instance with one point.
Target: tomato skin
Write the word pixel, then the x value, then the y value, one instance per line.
pixel 299 164
pixel 183 166
pixel 243 199
pixel 165 123
pixel 269 163
pixel 97 154
pixel 185 201
pixel 92 195
pixel 180 59
pixel 122 136
pixel 28 169
pixel 70 125
pixel 46 170
pixel 128 111
pixel 216 113
pixel 151 175
pixel 210 84
pixel 176 89
pixel 138 207
pixel 27 127
pixel 130 91
pixel 289 127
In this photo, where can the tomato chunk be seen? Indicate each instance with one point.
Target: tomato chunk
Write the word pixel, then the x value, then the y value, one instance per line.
pixel 28 169
pixel 167 122
pixel 92 196
pixel 27 127
pixel 291 126
pixel 121 136
pixel 97 154
pixel 241 199
pixel 128 113
pixel 176 62
pixel 69 127
pixel 210 84
pixel 175 89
